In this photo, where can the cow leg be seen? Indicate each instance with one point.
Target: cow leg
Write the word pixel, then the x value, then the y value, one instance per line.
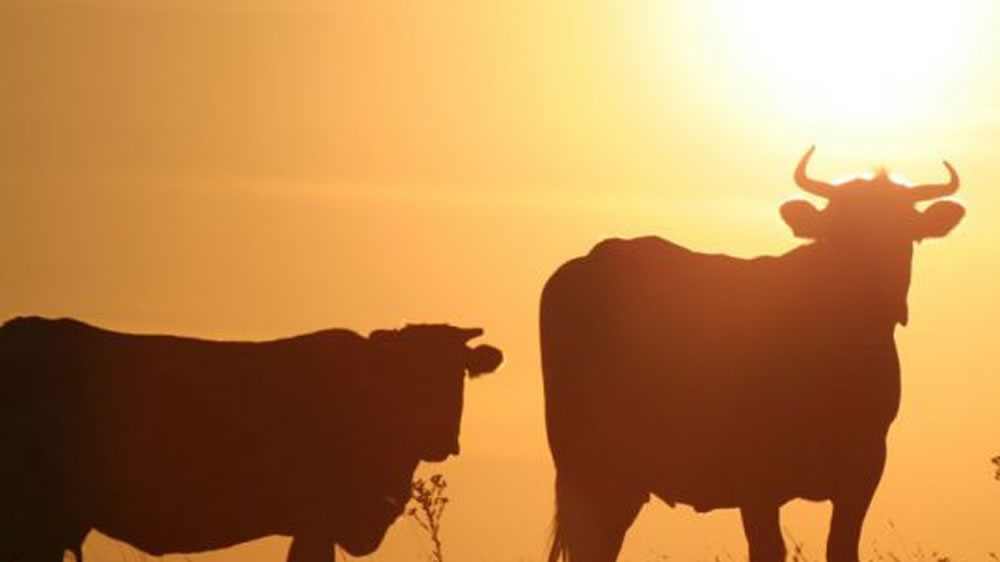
pixel 850 505
pixel 28 541
pixel 591 520
pixel 763 531
pixel 75 544
pixel 38 552
pixel 310 548
pixel 45 554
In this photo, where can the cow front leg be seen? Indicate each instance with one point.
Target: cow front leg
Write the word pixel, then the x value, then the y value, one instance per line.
pixel 311 548
pixel 763 531
pixel 850 505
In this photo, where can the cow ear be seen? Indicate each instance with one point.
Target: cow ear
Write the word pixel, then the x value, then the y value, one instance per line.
pixel 483 359
pixel 938 219
pixel 805 220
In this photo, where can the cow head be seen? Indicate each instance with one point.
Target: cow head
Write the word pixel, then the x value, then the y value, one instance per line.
pixel 428 364
pixel 418 384
pixel 873 222
pixel 871 211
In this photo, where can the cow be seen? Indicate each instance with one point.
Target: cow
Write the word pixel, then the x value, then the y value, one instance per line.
pixel 720 382
pixel 181 445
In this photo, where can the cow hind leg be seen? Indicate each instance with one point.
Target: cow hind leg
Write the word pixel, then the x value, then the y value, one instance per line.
pixel 763 531
pixel 26 542
pixel 75 545
pixel 591 520
pixel 38 543
pixel 35 552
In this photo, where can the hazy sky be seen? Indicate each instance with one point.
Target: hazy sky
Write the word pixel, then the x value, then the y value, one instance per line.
pixel 252 169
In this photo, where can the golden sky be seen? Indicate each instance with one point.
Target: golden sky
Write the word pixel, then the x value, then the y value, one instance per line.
pixel 259 168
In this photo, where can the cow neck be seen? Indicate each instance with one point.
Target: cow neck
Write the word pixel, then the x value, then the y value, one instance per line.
pixel 868 294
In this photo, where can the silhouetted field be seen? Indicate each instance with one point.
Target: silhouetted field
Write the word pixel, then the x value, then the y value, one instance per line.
pixel 429 500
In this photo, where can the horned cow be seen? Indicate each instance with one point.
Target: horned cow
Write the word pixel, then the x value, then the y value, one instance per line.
pixel 728 383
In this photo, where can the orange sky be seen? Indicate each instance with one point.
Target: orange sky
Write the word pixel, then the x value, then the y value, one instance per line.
pixel 254 169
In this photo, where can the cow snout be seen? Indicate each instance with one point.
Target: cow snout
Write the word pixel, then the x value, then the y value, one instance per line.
pixel 439 454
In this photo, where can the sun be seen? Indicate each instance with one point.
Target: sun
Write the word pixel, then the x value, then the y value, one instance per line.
pixel 850 60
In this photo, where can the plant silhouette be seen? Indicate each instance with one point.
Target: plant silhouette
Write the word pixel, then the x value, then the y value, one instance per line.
pixel 178 445
pixel 728 383
pixel 430 500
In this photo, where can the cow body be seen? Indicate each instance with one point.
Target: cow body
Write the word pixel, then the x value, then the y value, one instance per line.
pixel 721 382
pixel 182 445
pixel 714 378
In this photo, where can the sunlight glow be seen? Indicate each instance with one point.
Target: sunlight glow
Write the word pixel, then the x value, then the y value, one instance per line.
pixel 895 177
pixel 900 179
pixel 850 60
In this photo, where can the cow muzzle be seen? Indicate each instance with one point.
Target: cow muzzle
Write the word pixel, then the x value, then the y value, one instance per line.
pixel 439 454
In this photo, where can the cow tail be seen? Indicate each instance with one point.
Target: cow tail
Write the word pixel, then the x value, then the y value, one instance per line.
pixel 558 549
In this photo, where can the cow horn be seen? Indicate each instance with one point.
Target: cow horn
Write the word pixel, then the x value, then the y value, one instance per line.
pixel 809 185
pixel 936 190
pixel 466 334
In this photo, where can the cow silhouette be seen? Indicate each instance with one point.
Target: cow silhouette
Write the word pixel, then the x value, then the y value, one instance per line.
pixel 183 445
pixel 720 382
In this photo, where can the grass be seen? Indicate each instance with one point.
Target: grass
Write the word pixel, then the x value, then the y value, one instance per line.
pixel 430 500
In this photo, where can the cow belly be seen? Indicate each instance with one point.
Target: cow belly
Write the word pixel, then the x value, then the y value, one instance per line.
pixel 194 490
pixel 710 481
pixel 186 505
pixel 195 527
pixel 164 505
pixel 728 466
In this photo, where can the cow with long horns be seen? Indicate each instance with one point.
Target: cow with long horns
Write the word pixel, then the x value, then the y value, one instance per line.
pixel 728 383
